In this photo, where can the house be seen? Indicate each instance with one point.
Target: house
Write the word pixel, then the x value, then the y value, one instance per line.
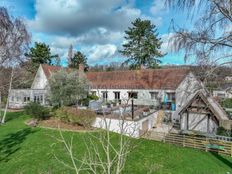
pixel 169 88
pixel 223 91
pixel 228 78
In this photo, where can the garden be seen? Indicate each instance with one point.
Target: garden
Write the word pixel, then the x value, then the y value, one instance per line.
pixel 25 149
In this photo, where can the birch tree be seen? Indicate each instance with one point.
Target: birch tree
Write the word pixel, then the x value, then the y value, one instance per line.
pixel 209 41
pixel 105 152
pixel 14 40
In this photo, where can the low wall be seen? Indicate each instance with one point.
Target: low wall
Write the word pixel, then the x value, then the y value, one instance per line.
pixel 126 127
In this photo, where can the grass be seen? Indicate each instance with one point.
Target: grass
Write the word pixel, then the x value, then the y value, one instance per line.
pixel 31 150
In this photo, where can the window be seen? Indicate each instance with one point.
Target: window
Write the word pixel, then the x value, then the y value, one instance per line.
pixel 154 95
pixel 105 95
pixel 133 95
pixel 37 99
pixel 171 96
pixel 26 99
pixel 12 98
pixel 117 95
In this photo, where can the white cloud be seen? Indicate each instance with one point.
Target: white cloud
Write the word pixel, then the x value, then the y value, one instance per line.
pixel 63 42
pixel 100 36
pixel 75 17
pixel 94 27
pixel 158 7
pixel 100 53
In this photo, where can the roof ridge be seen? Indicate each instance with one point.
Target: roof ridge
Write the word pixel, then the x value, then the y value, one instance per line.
pixel 158 69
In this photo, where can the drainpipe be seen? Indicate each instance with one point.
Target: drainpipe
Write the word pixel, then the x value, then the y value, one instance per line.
pixel 132 108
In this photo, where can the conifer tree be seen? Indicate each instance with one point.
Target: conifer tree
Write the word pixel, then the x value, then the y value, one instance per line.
pixel 142 45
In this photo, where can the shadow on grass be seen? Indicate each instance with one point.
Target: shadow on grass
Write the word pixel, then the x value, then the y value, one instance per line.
pixel 13 115
pixel 222 159
pixel 11 143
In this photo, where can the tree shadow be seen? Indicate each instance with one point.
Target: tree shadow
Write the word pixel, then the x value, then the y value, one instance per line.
pixel 13 115
pixel 222 159
pixel 11 143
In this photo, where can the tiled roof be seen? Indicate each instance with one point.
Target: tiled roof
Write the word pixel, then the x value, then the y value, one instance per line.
pixel 168 78
pixel 138 79
pixel 48 69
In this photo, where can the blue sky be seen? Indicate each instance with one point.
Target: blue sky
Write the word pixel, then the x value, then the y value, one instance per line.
pixel 94 27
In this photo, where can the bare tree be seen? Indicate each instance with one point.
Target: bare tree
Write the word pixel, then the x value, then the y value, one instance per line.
pixel 14 40
pixel 210 40
pixel 106 152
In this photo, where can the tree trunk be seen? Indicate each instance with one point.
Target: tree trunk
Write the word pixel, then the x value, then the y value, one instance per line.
pixel 0 106
pixel 8 98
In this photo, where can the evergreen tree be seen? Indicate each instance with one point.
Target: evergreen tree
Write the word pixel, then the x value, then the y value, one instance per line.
pixel 78 59
pixel 40 54
pixel 143 45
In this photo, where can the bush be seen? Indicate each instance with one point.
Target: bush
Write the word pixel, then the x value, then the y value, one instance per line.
pixel 86 100
pixel 223 132
pixel 227 103
pixel 83 117
pixel 37 111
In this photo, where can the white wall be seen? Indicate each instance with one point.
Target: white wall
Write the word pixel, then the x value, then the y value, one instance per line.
pixel 17 97
pixel 202 126
pixel 222 94
pixel 144 97
pixel 40 80
pixel 130 128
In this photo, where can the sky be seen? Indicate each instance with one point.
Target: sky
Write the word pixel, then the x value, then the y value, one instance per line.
pixel 94 27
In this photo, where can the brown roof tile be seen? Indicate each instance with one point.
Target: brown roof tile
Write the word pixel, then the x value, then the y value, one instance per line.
pixel 168 78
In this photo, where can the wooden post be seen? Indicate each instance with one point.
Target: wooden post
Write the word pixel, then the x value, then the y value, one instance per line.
pixel 208 117
pixel 206 148
pixel 187 120
pixel 183 140
pixel 230 149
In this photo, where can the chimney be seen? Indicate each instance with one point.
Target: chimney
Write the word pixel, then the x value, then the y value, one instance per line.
pixel 81 67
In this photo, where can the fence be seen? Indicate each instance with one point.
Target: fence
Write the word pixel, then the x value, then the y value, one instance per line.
pixel 207 144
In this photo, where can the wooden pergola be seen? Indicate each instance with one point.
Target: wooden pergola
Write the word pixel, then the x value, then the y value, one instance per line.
pixel 199 104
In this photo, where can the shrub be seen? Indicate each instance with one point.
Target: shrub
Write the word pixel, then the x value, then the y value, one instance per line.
pixel 227 103
pixel 86 100
pixel 83 117
pixel 37 111
pixel 223 132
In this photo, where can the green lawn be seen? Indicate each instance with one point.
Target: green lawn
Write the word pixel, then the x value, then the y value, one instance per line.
pixel 31 150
